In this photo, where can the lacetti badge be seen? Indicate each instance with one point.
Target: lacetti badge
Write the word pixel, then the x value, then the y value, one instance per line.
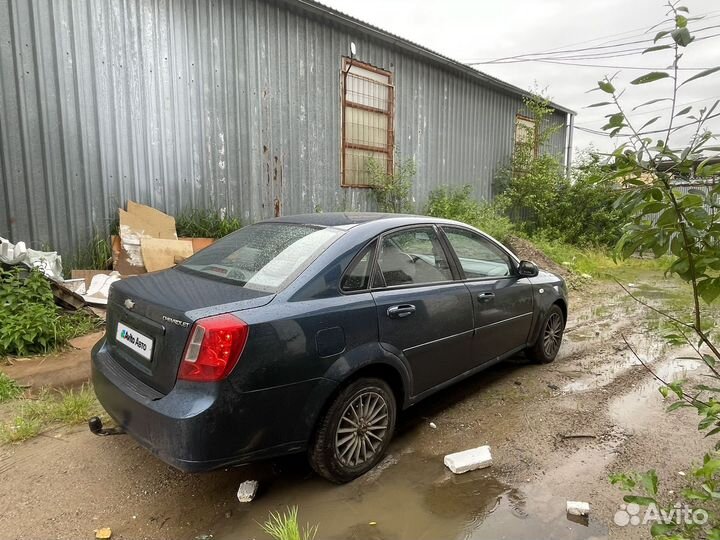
pixel 134 340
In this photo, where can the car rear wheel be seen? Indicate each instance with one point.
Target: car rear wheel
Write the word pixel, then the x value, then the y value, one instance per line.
pixel 355 431
pixel 546 348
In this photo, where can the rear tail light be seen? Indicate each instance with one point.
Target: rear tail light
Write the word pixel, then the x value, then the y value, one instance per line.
pixel 215 346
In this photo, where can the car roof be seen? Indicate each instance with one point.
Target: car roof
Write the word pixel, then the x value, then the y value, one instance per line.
pixel 340 219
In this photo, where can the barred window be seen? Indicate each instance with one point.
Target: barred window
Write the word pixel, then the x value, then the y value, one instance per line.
pixel 367 118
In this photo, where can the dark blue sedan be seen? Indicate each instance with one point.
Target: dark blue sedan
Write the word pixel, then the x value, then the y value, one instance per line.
pixel 309 333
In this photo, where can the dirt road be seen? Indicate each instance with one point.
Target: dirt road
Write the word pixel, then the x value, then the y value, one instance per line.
pixel 556 432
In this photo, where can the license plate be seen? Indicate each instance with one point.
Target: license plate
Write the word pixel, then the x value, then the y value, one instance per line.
pixel 134 340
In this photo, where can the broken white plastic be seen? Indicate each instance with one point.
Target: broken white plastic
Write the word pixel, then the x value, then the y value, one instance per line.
pixel 247 490
pixel 469 460
pixel 578 508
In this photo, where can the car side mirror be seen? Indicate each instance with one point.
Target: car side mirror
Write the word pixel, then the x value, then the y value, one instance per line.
pixel 528 269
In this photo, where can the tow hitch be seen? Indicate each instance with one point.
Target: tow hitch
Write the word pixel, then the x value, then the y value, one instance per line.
pixel 96 427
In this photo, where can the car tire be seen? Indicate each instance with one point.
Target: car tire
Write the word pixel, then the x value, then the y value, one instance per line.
pixel 355 431
pixel 549 339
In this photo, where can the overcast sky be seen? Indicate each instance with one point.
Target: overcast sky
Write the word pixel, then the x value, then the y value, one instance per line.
pixel 472 31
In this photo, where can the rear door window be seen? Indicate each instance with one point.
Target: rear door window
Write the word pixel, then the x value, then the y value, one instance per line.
pixel 265 257
pixel 412 257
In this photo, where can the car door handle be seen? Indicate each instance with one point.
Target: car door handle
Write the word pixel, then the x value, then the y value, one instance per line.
pixel 401 311
pixel 485 296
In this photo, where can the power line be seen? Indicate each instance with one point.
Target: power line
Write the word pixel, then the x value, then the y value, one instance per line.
pixel 563 63
pixel 590 56
pixel 560 50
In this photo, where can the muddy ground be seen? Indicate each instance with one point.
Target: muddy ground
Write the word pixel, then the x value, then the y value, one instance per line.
pixel 556 432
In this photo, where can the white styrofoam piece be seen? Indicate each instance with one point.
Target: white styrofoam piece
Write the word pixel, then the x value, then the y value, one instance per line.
pixel 578 508
pixel 247 490
pixel 469 460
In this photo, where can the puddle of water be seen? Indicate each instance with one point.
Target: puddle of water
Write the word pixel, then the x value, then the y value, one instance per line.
pixel 648 347
pixel 415 498
pixel 633 410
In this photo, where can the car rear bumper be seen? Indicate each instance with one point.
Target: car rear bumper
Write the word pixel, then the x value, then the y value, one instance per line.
pixel 204 426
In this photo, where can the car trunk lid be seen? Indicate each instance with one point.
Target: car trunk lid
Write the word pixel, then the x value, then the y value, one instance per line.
pixel 149 319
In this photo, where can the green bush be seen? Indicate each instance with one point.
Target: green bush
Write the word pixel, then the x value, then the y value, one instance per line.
pixel 31 323
pixel 392 190
pixel 458 204
pixel 584 212
pixel 27 312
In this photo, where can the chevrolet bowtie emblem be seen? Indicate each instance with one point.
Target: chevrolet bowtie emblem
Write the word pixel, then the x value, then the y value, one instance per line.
pixel 129 304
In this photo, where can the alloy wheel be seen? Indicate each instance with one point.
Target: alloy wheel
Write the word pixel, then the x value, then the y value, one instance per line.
pixel 552 335
pixel 362 429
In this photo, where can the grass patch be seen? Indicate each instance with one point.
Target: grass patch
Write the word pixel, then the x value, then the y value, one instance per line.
pixel 95 255
pixel 205 224
pixel 285 526
pixel 598 262
pixel 9 389
pixel 74 324
pixel 49 409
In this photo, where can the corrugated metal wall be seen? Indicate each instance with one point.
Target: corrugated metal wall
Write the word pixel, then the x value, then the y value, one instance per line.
pixel 227 104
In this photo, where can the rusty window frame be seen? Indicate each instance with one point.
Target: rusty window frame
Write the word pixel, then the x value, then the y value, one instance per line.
pixel 346 103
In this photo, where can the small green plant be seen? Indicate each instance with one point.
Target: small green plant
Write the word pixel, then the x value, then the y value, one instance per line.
pixel 392 190
pixel 95 255
pixel 205 224
pixel 9 389
pixel 458 204
pixel 285 526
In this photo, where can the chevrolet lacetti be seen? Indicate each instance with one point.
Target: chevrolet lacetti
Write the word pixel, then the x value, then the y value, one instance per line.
pixel 309 333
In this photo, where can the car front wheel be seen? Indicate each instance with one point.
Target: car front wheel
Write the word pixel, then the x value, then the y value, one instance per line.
pixel 546 348
pixel 355 431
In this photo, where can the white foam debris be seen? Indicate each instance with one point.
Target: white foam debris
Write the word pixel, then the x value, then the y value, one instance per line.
pixel 578 508
pixel 247 490
pixel 469 460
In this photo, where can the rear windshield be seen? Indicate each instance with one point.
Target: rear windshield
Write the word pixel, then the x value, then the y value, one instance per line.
pixel 265 257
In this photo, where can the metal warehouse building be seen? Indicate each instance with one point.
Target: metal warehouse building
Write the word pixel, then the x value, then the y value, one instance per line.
pixel 249 106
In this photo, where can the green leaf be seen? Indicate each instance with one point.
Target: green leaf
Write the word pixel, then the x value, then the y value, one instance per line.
pixel 682 36
pixel 657 48
pixel 709 289
pixel 650 482
pixel 661 529
pixel 651 121
pixel 606 87
pixel 651 102
pixel 642 501
pixel 682 8
pixel 599 104
pixel 684 111
pixel 661 35
pixel 680 21
pixel 704 73
pixel 650 77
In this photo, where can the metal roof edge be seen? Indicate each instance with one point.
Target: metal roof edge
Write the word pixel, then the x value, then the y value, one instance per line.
pixel 317 8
